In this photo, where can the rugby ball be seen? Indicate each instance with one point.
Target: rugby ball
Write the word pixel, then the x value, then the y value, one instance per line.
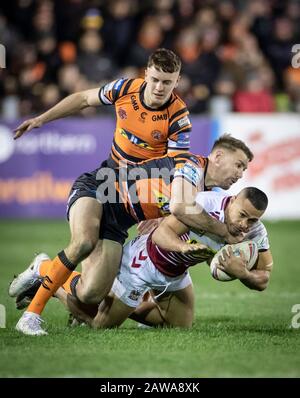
pixel 251 253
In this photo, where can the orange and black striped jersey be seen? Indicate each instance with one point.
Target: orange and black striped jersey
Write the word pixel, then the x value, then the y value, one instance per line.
pixel 145 188
pixel 142 132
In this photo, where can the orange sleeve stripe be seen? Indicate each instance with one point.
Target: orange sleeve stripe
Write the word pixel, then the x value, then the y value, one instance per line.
pixel 135 85
pixel 131 86
pixel 125 87
pixel 203 161
pixel 184 159
pixel 109 96
pixel 173 154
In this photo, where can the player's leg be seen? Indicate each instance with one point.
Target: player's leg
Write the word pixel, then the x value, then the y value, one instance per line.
pixel 95 280
pixel 148 313
pixel 62 295
pixel 102 266
pixel 98 272
pixel 127 290
pixel 85 217
pixel 112 312
pixel 172 309
pixel 178 309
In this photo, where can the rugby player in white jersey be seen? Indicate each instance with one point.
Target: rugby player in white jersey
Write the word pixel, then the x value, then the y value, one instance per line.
pixel 159 261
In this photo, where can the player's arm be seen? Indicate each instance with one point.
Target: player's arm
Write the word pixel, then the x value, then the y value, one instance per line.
pixel 185 208
pixel 259 277
pixel 256 279
pixel 68 106
pixel 167 237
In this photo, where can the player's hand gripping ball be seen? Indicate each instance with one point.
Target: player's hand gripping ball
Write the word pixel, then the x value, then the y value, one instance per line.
pixel 250 251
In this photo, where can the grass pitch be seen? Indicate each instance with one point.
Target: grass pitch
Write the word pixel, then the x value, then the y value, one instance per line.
pixel 237 332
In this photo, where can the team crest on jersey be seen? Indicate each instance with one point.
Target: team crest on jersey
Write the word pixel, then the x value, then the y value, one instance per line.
pixel 134 295
pixel 122 113
pixel 156 134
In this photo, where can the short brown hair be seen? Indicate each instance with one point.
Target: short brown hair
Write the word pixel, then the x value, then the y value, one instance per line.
pixel 165 60
pixel 231 143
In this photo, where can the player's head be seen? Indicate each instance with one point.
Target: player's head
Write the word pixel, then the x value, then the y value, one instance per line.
pixel 245 209
pixel 228 160
pixel 162 76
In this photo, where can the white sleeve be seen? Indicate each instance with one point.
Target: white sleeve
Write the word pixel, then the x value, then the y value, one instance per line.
pixel 259 235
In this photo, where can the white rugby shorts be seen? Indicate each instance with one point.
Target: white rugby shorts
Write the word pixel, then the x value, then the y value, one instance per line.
pixel 138 274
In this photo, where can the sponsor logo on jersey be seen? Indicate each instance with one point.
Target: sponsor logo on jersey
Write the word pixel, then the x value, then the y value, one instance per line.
pixel 134 139
pixel 185 121
pixel 134 102
pixel 122 113
pixel 183 139
pixel 157 118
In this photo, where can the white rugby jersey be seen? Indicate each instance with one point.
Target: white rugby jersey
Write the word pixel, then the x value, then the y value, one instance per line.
pixel 214 203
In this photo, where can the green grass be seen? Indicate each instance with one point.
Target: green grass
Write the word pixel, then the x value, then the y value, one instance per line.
pixel 237 332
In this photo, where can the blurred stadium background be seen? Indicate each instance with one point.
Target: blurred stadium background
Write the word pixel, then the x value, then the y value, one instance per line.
pixel 237 77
